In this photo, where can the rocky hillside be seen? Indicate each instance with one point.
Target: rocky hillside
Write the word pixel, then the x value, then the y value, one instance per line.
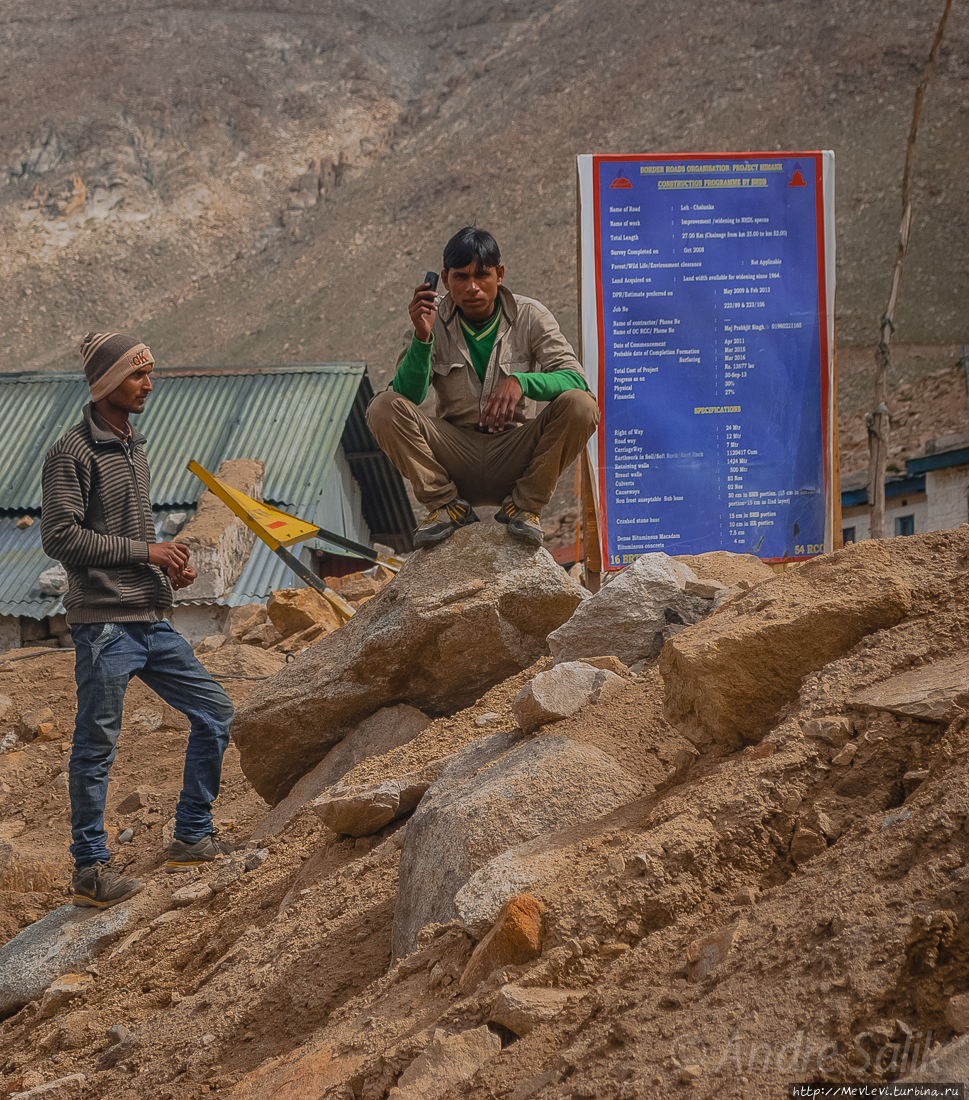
pixel 715 840
pixel 267 182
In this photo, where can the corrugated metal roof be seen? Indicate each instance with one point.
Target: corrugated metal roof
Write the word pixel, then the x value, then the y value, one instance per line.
pixel 290 417
pixel 23 562
pixel 264 573
pixel 386 509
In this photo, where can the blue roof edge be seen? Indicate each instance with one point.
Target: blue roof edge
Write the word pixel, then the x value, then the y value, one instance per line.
pixel 940 461
pixel 894 487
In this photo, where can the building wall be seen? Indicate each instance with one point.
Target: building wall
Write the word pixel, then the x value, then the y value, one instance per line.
pixel 948 493
pixel 915 505
pixel 197 621
pixel 9 632
pixel 340 508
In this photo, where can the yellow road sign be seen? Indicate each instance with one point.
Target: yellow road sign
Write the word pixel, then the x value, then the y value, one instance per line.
pixel 274 527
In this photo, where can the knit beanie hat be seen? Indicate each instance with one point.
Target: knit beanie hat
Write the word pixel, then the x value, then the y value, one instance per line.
pixel 109 357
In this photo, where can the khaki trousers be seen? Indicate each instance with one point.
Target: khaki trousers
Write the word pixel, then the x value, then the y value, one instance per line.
pixel 442 461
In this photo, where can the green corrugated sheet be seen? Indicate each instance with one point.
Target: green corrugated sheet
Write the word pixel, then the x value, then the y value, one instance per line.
pixel 290 417
pixel 293 418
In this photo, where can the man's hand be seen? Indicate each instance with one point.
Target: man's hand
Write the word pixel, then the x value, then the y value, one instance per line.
pixel 183 577
pixel 423 310
pixel 501 405
pixel 172 556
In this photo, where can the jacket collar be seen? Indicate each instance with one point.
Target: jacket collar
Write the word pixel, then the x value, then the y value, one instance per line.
pixel 105 435
pixel 447 309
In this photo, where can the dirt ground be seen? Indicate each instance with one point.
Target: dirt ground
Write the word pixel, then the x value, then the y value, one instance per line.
pixel 838 961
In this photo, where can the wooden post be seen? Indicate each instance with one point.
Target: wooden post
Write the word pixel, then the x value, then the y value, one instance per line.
pixel 879 419
pixel 837 538
pixel 590 529
pixel 587 500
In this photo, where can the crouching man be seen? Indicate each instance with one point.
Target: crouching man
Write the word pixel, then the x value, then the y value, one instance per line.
pixel 490 356
pixel 97 520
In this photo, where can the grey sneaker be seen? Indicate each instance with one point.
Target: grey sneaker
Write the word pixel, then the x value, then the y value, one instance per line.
pixel 100 887
pixel 524 525
pixel 443 522
pixel 182 856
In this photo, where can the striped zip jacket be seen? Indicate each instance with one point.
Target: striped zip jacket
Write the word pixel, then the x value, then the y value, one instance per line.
pixel 96 519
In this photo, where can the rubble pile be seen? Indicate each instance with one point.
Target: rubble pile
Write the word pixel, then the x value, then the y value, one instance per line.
pixel 553 856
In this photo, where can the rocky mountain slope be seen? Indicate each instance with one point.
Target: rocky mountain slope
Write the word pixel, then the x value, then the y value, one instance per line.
pixel 773 890
pixel 267 182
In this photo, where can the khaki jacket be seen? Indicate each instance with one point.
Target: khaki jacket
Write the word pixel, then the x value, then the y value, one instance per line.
pixel 528 340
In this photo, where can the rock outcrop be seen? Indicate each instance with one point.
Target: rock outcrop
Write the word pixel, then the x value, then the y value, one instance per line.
pixel 494 794
pixel 631 617
pixel 376 735
pixel 456 620
pixel 726 679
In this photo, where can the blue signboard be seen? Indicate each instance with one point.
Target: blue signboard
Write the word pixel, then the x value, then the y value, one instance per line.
pixel 712 310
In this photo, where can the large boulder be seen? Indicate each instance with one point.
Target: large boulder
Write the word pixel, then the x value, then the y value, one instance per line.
pixel 66 939
pixel 292 610
pixel 456 620
pixel 726 679
pixel 561 692
pixel 631 617
pixel 389 728
pixel 494 794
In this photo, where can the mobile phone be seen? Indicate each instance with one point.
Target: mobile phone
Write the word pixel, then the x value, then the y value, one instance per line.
pixel 431 279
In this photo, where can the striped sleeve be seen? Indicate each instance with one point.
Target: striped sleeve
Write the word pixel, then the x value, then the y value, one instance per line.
pixel 63 535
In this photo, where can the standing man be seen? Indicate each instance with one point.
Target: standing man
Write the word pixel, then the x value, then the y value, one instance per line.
pixel 97 520
pixel 490 356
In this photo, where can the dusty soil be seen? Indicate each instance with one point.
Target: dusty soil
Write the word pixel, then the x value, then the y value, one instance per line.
pixel 841 958
pixel 34 804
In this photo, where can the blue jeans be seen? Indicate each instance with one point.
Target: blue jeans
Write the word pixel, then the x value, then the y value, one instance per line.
pixel 107 655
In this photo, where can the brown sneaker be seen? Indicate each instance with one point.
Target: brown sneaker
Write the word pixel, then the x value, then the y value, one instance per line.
pixel 443 522
pixel 524 525
pixel 182 856
pixel 100 887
